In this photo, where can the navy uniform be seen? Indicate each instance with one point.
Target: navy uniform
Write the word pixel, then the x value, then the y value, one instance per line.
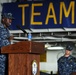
pixel 67 65
pixel 4 34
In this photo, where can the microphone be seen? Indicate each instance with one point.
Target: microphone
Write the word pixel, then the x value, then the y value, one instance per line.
pixel 21 28
pixel 29 34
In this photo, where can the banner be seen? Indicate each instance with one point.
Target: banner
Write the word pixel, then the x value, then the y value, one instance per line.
pixel 42 14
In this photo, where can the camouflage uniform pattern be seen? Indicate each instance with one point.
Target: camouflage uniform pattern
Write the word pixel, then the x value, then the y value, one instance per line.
pixel 4 34
pixel 66 65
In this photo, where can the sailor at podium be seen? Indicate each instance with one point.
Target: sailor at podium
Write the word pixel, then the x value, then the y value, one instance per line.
pixel 5 38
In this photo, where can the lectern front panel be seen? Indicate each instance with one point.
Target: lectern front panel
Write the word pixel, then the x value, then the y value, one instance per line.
pixel 21 64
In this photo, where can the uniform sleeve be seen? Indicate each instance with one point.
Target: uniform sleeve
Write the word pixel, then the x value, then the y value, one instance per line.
pixel 59 67
pixel 2 34
pixel 74 66
pixel 3 37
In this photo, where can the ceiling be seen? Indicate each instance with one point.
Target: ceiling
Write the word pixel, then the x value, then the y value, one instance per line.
pixel 56 35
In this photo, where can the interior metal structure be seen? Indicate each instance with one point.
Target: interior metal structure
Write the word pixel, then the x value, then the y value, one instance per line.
pixel 55 35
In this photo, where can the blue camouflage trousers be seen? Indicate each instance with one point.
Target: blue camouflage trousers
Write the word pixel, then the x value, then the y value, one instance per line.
pixel 2 64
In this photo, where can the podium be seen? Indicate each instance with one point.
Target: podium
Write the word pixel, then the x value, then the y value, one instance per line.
pixel 23 57
pixel 74 73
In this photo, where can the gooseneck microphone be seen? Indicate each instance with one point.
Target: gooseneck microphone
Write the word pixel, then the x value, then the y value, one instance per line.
pixel 18 26
pixel 29 34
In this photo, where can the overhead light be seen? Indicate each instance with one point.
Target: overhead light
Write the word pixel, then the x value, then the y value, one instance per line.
pixel 47 45
pixel 55 48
